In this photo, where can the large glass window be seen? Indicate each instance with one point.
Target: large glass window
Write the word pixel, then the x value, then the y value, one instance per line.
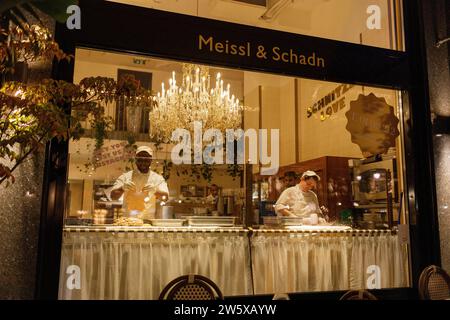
pixel 369 22
pixel 168 192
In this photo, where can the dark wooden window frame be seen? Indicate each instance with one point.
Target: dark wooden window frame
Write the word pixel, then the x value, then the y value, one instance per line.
pixel 403 71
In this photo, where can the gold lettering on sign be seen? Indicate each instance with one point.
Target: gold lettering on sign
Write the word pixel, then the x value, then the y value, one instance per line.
pixel 296 58
pixel 291 56
pixel 202 41
pixel 224 47
pixel 332 102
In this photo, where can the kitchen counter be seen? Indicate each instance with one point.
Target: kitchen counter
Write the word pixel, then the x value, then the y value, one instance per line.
pixel 131 229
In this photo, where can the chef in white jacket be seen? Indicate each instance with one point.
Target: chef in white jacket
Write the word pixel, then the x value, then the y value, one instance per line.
pixel 300 200
pixel 141 186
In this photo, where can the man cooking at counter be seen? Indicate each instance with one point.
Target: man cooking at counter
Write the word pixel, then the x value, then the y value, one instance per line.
pixel 141 187
pixel 300 200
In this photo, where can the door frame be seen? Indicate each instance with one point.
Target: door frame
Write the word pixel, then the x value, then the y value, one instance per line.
pixel 403 71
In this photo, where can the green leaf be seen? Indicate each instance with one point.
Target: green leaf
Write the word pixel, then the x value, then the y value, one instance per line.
pixel 55 9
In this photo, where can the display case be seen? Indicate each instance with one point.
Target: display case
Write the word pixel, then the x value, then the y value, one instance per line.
pixel 103 205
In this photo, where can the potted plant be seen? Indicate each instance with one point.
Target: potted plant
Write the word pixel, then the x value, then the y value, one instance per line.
pixel 33 114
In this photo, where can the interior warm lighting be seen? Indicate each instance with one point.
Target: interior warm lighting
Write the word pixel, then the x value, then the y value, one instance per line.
pixel 18 93
pixel 180 104
pixel 274 8
pixel 376 175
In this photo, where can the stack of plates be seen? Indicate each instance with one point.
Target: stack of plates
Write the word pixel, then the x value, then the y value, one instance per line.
pixel 167 222
pixel 201 221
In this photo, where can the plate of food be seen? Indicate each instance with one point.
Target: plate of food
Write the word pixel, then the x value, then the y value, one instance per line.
pixel 128 221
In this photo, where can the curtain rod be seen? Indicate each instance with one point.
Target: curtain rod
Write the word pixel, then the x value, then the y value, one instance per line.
pixel 224 230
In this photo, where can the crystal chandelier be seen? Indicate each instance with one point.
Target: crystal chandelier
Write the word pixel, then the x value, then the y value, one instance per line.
pixel 180 105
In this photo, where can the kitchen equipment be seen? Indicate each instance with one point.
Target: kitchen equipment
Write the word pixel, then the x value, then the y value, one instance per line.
pixel 200 211
pixel 167 212
pixel 230 205
pixel 272 221
pixel 291 221
pixel 371 181
pixel 220 205
pixel 167 222
pixel 198 221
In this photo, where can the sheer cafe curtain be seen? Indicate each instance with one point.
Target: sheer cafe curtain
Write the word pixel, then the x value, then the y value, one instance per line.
pixel 139 265
pixel 315 262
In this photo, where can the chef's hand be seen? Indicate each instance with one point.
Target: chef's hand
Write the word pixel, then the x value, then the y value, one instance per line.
pixel 285 212
pixel 129 186
pixel 149 188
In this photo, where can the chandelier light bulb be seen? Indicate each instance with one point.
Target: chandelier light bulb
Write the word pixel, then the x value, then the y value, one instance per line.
pixel 177 107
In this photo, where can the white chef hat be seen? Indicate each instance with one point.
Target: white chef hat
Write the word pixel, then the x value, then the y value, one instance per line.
pixel 310 173
pixel 145 149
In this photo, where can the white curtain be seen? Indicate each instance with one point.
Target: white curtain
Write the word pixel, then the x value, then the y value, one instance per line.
pixel 325 262
pixel 126 265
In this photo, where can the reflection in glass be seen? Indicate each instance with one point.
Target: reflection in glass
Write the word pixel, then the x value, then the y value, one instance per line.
pixel 203 224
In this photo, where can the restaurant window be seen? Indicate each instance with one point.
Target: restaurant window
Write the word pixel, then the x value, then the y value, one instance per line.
pixel 321 162
pixel 377 23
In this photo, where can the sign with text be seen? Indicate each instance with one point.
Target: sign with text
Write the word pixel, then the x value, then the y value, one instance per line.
pixel 112 153
pixel 189 38
pixel 331 103
pixel 258 51
pixel 372 124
